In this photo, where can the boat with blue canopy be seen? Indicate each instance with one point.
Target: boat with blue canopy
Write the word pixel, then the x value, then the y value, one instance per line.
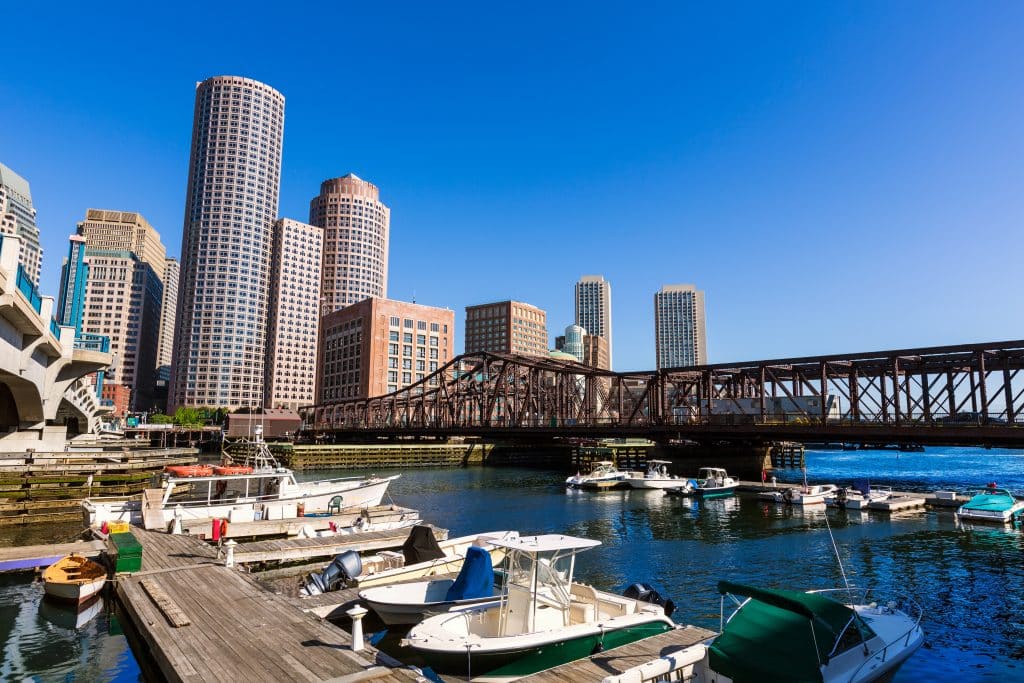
pixel 992 505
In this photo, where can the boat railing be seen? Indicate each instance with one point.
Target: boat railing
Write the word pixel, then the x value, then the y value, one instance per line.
pixel 910 607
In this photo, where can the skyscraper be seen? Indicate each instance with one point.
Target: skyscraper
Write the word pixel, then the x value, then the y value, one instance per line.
pixel 594 308
pixel 294 315
pixel 573 344
pixel 507 327
pixel 18 217
pixel 679 330
pixel 356 226
pixel 124 298
pixel 168 313
pixel 230 207
pixel 74 275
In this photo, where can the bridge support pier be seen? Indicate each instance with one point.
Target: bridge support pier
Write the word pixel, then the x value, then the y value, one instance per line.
pixel 745 462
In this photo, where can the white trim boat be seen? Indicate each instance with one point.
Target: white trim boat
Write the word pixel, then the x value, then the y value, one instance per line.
pixel 858 497
pixel 603 475
pixel 992 505
pixel 454 550
pixel 74 579
pixel 801 495
pixel 714 482
pixel 542 619
pixel 656 477
pixel 779 635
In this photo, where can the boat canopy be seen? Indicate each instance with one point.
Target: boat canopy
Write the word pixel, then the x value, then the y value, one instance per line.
pixel 545 543
pixel 781 635
pixel 991 499
pixel 475 579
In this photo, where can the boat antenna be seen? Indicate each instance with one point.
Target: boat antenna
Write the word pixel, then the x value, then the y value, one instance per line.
pixel 839 559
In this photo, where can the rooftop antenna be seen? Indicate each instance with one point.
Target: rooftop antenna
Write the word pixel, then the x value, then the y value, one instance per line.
pixel 414 296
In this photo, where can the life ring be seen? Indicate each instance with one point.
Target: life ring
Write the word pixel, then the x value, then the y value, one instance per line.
pixel 232 469
pixel 189 470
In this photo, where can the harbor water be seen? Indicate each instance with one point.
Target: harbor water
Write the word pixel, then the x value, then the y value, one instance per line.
pixel 969 581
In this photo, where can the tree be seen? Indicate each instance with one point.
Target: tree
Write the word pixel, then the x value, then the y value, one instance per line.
pixel 160 419
pixel 188 417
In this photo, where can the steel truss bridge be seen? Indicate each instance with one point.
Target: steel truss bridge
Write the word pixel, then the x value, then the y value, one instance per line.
pixel 969 394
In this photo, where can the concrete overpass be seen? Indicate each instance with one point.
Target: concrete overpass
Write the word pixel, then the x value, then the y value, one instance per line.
pixel 43 398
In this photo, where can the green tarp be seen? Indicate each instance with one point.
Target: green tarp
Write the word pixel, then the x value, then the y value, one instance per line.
pixel 770 639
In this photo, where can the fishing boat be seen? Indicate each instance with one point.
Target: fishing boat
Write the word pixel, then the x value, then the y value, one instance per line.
pixel 410 603
pixel 541 619
pixel 246 492
pixel 781 635
pixel 858 496
pixel 714 482
pixel 801 495
pixel 992 505
pixel 603 475
pixel 74 579
pixel 656 477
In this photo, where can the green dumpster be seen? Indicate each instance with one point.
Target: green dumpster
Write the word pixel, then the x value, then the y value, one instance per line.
pixel 128 552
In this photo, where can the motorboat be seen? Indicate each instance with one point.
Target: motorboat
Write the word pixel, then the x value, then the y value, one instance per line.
pixel 74 578
pixel 258 488
pixel 801 495
pixel 992 505
pixel 410 603
pixel 776 635
pixel 447 559
pixel 714 482
pixel 603 475
pixel 656 477
pixel 543 618
pixel 858 497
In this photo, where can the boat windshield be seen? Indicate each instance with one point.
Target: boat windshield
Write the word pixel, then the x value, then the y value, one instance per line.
pixel 225 490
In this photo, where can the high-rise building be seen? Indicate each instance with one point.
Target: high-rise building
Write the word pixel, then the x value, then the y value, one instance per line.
pixel 18 217
pixel 679 329
pixel 573 344
pixel 507 327
pixel 74 275
pixel 595 352
pixel 379 346
pixel 294 315
pixel 168 313
pixel 356 226
pixel 124 298
pixel 230 207
pixel 594 308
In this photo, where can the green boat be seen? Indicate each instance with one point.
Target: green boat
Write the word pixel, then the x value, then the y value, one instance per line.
pixel 543 618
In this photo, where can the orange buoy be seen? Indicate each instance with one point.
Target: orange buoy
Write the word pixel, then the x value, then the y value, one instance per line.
pixel 189 470
pixel 232 469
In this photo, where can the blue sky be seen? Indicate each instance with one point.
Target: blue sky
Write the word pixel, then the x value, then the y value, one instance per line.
pixel 837 177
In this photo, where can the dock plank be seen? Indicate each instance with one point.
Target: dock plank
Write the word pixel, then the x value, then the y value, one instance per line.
pixel 26 557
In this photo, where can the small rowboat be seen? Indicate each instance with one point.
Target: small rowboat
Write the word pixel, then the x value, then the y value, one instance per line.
pixel 189 470
pixel 232 469
pixel 74 579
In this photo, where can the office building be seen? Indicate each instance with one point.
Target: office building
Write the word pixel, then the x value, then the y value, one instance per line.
pixel 679 330
pixel 74 275
pixel 230 207
pixel 356 225
pixel 573 343
pixel 507 327
pixel 168 314
pixel 594 308
pixel 294 315
pixel 124 299
pixel 595 352
pixel 379 346
pixel 18 217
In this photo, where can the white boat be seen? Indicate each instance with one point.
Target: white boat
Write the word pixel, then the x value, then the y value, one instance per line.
pixel 454 552
pixel 656 477
pixel 992 505
pixel 411 603
pixel 542 619
pixel 858 497
pixel 74 579
pixel 714 482
pixel 828 636
pixel 801 495
pixel 603 475
pixel 261 488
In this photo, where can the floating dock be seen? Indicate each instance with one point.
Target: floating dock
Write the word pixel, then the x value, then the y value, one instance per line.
pixel 23 558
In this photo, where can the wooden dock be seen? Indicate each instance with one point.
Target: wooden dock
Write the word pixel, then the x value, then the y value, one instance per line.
pixel 291 527
pixel 27 557
pixel 617 660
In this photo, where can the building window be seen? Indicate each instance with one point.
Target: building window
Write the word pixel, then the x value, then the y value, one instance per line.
pixel 393 349
pixel 395 322
pixel 407 338
pixel 393 335
pixel 407 351
pixel 407 323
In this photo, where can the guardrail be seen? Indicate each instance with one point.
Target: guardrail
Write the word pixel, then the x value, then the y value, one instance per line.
pixel 29 289
pixel 54 328
pixel 88 341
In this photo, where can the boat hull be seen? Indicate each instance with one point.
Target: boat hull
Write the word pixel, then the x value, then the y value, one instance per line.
pixel 74 579
pixel 651 483
pixel 492 662
pixel 717 492
pixel 405 614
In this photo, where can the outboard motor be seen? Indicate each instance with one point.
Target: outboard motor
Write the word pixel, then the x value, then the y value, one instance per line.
pixel 345 567
pixel 646 593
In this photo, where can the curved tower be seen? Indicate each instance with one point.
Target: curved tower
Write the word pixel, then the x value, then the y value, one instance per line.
pixel 233 181
pixel 356 225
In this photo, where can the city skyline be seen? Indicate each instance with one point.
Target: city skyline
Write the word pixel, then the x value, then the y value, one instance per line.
pixel 810 156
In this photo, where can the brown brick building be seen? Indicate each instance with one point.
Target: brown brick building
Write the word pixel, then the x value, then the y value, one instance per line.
pixel 378 346
pixel 507 327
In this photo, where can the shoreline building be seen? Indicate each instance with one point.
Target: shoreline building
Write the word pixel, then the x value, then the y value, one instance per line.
pixel 378 346
pixel 230 206
pixel 594 310
pixel 74 274
pixel 507 327
pixel 165 354
pixel 356 226
pixel 294 315
pixel 572 342
pixel 123 300
pixel 18 217
pixel 679 327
